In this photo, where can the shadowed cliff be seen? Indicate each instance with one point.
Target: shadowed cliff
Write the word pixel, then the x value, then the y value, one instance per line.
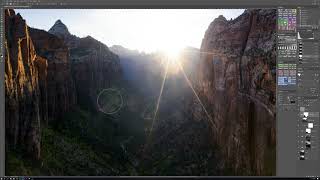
pixel 236 83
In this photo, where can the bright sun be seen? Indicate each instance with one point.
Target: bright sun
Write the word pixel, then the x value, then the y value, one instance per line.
pixel 172 53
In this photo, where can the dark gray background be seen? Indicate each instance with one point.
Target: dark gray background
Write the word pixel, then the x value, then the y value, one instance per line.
pixel 2 116
pixel 158 3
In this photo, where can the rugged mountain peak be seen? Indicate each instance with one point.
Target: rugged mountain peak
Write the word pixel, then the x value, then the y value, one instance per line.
pixel 118 49
pixel 59 29
pixel 90 37
pixel 218 24
pixel 220 20
pixel 58 21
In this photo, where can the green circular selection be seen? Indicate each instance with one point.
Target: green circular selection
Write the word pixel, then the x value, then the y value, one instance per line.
pixel 109 101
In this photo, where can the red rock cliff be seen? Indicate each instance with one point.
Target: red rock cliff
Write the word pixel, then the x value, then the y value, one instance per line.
pixel 61 92
pixel 236 84
pixel 24 86
pixel 46 73
pixel 94 67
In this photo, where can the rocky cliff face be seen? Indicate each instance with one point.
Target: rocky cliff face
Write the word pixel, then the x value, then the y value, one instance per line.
pixel 61 92
pixel 93 66
pixel 46 74
pixel 59 29
pixel 236 84
pixel 25 73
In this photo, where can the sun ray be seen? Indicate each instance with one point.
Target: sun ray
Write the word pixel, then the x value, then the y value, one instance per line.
pixel 159 98
pixel 194 92
pixel 168 61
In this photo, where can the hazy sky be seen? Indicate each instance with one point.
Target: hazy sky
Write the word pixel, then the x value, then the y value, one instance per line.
pixel 142 29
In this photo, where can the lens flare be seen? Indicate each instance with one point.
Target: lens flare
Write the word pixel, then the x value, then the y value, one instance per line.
pixel 159 98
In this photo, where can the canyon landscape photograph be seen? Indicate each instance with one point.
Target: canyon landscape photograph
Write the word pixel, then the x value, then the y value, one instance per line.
pixel 140 92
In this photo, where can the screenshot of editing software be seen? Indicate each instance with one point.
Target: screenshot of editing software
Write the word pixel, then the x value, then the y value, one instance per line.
pixel 159 89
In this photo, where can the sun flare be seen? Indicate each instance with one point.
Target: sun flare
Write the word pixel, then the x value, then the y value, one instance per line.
pixel 172 56
pixel 173 53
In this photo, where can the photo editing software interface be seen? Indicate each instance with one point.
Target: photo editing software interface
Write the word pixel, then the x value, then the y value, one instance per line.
pixel 140 88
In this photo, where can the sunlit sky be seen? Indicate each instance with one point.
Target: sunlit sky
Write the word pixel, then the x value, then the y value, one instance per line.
pixel 141 29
